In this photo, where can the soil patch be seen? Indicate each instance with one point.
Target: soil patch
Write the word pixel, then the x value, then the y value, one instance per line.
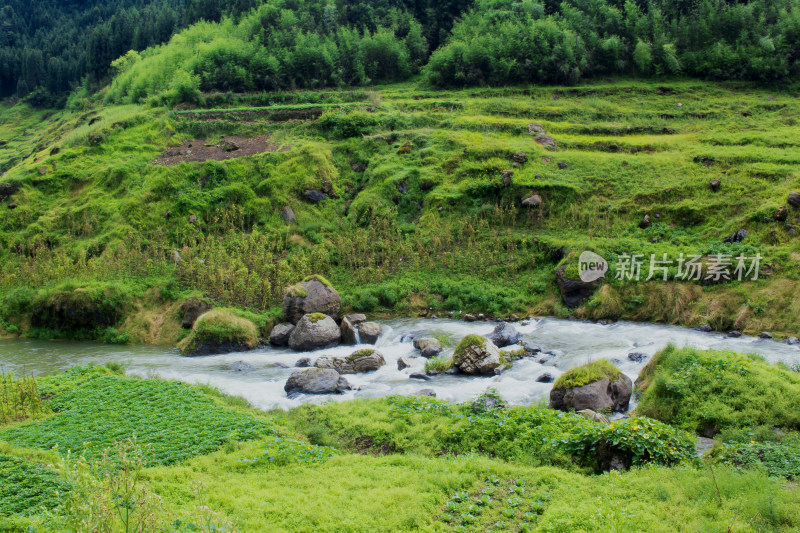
pixel 228 148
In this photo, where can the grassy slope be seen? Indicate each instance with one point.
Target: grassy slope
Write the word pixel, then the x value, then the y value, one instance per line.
pixel 430 228
pixel 305 488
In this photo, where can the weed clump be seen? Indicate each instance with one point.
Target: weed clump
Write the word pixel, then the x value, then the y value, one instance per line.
pixel 468 342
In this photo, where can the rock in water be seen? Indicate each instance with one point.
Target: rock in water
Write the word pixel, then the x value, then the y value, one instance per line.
pixel 420 343
pixel 505 334
pixel 314 295
pixel 545 378
pixel 280 334
pixel 476 355
pixel 612 391
pixel 431 351
pixel 402 364
pixel 360 361
pixel 303 362
pixel 241 366
pixel 314 331
pixel 426 392
pixel 349 333
pixel 315 381
pixel 369 332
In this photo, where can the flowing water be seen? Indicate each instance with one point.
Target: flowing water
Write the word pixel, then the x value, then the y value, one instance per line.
pixel 573 343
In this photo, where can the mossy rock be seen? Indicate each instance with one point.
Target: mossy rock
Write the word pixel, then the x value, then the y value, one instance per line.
pixel 316 317
pixel 317 277
pixel 219 331
pixel 588 373
pixel 468 342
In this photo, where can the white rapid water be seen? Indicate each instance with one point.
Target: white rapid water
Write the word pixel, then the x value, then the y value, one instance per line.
pixel 573 342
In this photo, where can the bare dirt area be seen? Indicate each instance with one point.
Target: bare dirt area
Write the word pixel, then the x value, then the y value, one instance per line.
pixel 228 148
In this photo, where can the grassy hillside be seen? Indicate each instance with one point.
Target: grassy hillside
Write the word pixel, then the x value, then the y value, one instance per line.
pixel 417 213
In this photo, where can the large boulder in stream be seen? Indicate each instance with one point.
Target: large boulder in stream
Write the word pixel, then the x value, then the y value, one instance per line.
pixel 280 334
pixel 313 331
pixel 315 381
pixel 355 331
pixel 361 361
pixel 217 332
pixel 314 295
pixel 476 355
pixel 504 334
pixel 598 386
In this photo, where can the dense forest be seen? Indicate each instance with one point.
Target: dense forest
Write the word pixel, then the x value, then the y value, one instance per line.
pixel 48 48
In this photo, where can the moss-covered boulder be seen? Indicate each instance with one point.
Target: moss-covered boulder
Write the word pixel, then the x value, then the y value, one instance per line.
pixel 476 355
pixel 314 330
pixel 219 331
pixel 313 295
pixel 599 386
pixel 361 361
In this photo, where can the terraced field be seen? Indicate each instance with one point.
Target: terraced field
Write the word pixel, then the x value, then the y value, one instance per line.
pixel 422 207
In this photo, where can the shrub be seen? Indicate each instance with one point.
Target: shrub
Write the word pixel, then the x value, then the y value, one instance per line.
pixel 588 373
pixel 635 440
pixel 711 390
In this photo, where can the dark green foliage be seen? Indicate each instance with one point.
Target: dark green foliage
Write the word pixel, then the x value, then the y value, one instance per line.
pixel 173 420
pixel 47 47
pixel 506 42
pixel 638 440
pixel 780 459
pixel 529 435
pixel 27 488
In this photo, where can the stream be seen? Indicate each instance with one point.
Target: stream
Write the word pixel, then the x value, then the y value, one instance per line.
pixel 571 343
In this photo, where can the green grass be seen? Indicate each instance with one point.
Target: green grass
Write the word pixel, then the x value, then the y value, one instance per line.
pixel 588 373
pixel 173 420
pixel 394 464
pixel 711 391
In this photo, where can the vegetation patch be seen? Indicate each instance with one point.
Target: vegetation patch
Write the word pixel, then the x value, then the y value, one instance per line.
pixel 94 409
pixel 28 488
pixel 588 373
pixel 710 391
